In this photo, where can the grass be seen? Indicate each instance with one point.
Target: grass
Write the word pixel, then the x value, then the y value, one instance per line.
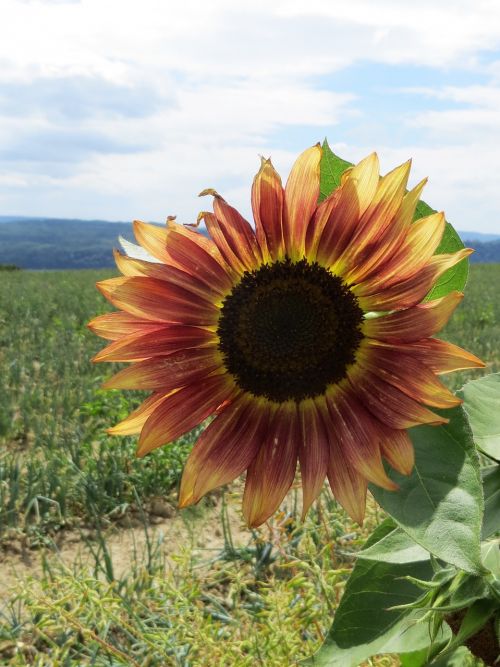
pixel 267 602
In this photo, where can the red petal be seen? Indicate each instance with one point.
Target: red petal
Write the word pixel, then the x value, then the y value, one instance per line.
pixel 397 448
pixel 225 449
pixel 220 240
pixel 167 373
pixel 438 355
pixel 153 238
pixel 154 299
pixel 271 473
pixel 130 266
pixel 184 409
pixel 388 404
pixel 113 326
pixel 358 437
pixel 239 234
pixel 200 257
pixel 156 343
pixel 313 453
pixel 267 205
pixel 408 375
pixel 301 199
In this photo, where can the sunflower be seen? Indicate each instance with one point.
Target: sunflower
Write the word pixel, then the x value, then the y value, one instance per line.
pixel 306 338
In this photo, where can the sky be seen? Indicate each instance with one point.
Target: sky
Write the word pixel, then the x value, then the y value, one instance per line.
pixel 118 109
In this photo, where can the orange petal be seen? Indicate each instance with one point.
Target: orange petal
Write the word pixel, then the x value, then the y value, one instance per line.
pixel 438 355
pixel 377 220
pixel 397 448
pixel 135 421
pixel 130 266
pixel 156 343
pixel 369 262
pixel 184 409
pixel 239 234
pixel 154 299
pixel 357 437
pixel 225 449
pixel 356 194
pixel 421 321
pixel 153 238
pixel 113 326
pixel 422 240
pixel 301 199
pixel 407 293
pixel 313 453
pixel 388 404
pixel 408 375
pixel 271 473
pixel 167 373
pixel 267 206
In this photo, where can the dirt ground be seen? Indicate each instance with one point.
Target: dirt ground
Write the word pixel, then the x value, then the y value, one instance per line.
pixel 201 530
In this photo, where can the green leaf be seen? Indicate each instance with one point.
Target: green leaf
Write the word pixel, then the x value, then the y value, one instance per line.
pixel 491 488
pixel 331 169
pixel 458 658
pixel 476 617
pixel 482 406
pixel 396 547
pixel 363 625
pixel 440 505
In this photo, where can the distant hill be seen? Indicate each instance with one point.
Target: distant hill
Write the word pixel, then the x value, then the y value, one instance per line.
pixel 50 243
pixel 478 236
pixel 45 243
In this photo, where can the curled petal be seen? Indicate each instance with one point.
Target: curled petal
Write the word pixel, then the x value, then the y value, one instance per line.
pixel 313 453
pixel 156 343
pixel 421 321
pixel 267 205
pixel 154 299
pixel 271 473
pixel 301 198
pixel 184 409
pixel 225 449
pixel 167 373
pixel 113 326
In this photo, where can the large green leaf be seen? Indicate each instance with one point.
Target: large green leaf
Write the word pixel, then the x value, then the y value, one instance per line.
pixel 482 406
pixel 331 169
pixel 364 625
pixel 440 505
pixel 491 487
pixel 396 547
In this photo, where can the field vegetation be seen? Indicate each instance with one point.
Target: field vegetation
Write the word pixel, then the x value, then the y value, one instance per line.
pixel 99 568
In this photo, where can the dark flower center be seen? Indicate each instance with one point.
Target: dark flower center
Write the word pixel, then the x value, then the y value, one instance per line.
pixel 287 330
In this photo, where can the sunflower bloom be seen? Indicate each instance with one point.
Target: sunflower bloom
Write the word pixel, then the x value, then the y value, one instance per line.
pixel 306 338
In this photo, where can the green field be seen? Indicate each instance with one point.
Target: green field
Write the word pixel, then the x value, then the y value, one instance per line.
pixel 266 598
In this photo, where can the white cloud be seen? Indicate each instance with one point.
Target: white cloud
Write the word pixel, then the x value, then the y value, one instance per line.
pixel 122 109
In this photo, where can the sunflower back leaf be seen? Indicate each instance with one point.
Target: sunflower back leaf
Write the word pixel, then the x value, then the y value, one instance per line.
pixel 331 169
